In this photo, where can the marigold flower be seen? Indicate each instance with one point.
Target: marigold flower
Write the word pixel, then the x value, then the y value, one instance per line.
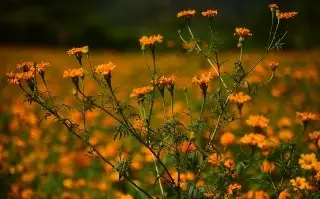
pixel 317 176
pixel 284 122
pixel 284 194
pixel 299 183
pixel 305 116
pixel 42 66
pixel 79 72
pixel 149 41
pixel 273 7
pixel 15 78
pixel 203 81
pixel 27 194
pixel 105 69
pixel 186 13
pixel 229 163
pixel 287 15
pixel 308 161
pixel 227 139
pixel 233 188
pixel 210 13
pixel 242 32
pixel 314 136
pixel 140 92
pixel 25 65
pixel 214 159
pixel 239 98
pixel 267 166
pixel 285 135
pixel 273 65
pixel 75 51
pixel 254 139
pixel 257 121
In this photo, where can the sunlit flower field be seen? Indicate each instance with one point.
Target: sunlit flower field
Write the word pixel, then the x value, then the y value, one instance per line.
pixel 40 159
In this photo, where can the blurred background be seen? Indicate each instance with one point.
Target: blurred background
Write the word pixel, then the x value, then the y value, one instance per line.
pixel 117 24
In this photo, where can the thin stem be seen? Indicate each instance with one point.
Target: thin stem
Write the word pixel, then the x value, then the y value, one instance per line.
pixel 189 108
pixel 171 95
pixel 203 104
pixel 274 35
pixel 241 52
pixel 271 28
pixel 158 174
pixel 164 107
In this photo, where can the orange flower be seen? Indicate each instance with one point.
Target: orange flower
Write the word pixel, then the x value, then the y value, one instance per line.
pixel 267 166
pixel 317 176
pixel 75 51
pixel 299 183
pixel 284 194
pixel 273 7
pixel 314 136
pixel 186 146
pixel 203 81
pixel 273 65
pixel 149 41
pixel 227 139
pixel 105 69
pixel 239 98
pixel 210 13
pixel 284 122
pixel 242 32
pixel 25 65
pixel 140 92
pixel 285 135
pixel 305 116
pixel 229 163
pixel 27 194
pixel 186 13
pixel 15 78
pixel 73 73
pixel 214 159
pixel 257 121
pixel 308 161
pixel 287 15
pixel 42 66
pixel 254 139
pixel 233 188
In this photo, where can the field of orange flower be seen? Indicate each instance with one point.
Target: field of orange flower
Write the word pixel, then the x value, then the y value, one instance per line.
pixel 114 128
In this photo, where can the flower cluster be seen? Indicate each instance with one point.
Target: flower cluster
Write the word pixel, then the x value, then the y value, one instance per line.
pixel 28 69
pixel 210 13
pixel 150 41
pixel 15 78
pixel 257 121
pixel 233 188
pixel 186 13
pixel 314 136
pixel 254 139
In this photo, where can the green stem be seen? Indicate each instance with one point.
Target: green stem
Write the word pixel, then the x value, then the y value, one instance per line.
pixel 203 104
pixel 164 107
